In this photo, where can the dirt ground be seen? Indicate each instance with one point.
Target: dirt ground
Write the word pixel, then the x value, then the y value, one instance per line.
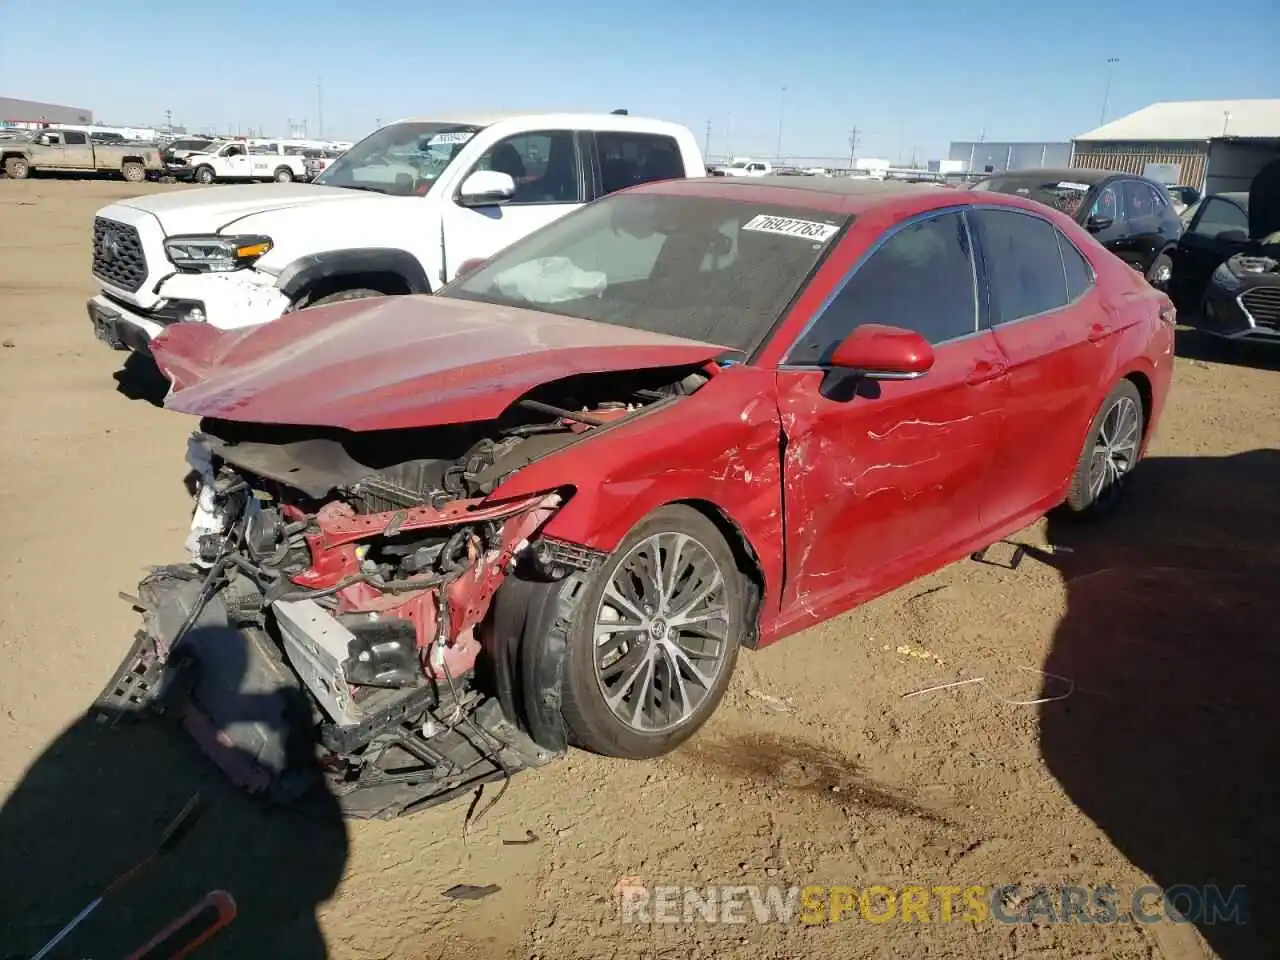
pixel 1151 639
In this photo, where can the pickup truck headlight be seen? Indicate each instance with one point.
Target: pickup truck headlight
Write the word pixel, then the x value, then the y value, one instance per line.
pixel 214 254
pixel 1226 279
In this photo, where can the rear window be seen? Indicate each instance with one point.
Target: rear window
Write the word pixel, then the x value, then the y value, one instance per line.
pixel 720 271
pixel 1060 193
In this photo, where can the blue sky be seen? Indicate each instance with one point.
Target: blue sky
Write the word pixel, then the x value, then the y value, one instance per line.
pixel 910 76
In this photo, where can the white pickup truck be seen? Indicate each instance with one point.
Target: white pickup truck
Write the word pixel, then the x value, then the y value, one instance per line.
pixel 398 213
pixel 232 160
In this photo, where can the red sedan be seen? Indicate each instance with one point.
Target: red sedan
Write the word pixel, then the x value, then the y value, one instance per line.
pixel 550 503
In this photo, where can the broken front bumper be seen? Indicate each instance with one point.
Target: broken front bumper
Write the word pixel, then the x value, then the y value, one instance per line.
pixel 251 703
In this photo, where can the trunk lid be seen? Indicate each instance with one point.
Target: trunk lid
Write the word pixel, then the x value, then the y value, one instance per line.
pixel 397 362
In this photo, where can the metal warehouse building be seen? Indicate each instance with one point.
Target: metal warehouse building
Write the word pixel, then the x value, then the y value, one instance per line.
pixel 32 113
pixel 1215 145
pixel 981 156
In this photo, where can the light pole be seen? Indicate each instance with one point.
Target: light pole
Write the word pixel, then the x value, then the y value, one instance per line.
pixel 1106 91
pixel 782 110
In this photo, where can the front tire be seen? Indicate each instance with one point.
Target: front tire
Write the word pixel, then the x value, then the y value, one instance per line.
pixel 1110 452
pixel 17 168
pixel 204 175
pixel 655 639
pixel 283 175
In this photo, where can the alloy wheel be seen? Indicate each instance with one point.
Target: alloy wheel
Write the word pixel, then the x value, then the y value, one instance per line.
pixel 662 632
pixel 1115 449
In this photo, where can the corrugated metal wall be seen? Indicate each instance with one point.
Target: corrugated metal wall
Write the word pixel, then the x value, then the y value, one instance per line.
pixel 977 154
pixel 1193 158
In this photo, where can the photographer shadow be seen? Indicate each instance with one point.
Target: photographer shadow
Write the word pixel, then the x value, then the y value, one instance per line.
pixel 97 801
pixel 1172 639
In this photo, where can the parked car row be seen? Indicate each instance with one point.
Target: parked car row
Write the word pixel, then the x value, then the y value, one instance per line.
pixel 647 418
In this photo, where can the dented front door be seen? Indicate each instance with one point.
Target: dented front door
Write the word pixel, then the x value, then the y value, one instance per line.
pixel 891 482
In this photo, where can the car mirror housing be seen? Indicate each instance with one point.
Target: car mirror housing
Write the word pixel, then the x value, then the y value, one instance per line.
pixel 881 352
pixel 486 188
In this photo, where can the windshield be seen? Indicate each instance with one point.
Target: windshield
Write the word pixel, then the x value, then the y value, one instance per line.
pixel 403 159
pixel 719 271
pixel 738 165
pixel 1064 195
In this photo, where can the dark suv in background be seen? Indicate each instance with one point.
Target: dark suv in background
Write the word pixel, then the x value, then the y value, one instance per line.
pixel 1130 215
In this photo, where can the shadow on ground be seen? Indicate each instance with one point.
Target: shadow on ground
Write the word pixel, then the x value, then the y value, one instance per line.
pixel 98 800
pixel 1171 636
pixel 1195 345
pixel 140 379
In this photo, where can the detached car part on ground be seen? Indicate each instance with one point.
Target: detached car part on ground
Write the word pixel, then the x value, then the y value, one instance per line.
pixel 438 539
pixel 1227 265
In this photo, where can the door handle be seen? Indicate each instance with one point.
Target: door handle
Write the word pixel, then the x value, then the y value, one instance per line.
pixel 985 370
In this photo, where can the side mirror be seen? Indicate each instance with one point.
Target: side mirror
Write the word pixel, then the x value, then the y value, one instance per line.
pixel 485 188
pixel 1096 223
pixel 880 352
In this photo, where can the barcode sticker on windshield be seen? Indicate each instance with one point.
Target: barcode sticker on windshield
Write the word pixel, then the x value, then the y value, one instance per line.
pixel 789 227
pixel 1070 185
pixel 458 136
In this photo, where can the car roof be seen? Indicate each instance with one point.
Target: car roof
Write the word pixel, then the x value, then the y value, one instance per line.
pixel 834 194
pixel 1070 175
pixel 588 121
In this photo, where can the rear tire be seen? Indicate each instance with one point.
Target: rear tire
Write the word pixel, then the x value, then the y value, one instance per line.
pixel 204 175
pixel 361 293
pixel 1160 272
pixel 133 172
pixel 17 168
pixel 1111 450
pixel 283 175
pixel 640 692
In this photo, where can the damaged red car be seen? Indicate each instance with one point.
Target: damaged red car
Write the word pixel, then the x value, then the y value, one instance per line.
pixel 439 539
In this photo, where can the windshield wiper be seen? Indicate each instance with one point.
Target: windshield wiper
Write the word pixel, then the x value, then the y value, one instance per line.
pixel 352 186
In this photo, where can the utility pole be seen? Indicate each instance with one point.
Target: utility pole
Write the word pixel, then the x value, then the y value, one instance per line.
pixel 319 111
pixel 853 146
pixel 1106 91
pixel 168 121
pixel 782 110
pixel 706 142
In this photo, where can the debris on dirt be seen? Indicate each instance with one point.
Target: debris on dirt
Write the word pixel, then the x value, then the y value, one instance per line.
pixel 7 344
pixel 467 891
pixel 1070 688
pixel 776 704
pixel 919 653
pixel 529 837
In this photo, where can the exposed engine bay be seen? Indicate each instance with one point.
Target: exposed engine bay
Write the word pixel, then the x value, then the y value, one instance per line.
pixel 361 608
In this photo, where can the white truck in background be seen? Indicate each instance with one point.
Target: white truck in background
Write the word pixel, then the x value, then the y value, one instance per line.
pixel 238 160
pixel 746 167
pixel 401 212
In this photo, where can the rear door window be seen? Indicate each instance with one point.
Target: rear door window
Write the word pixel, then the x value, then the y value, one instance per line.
pixel 1024 266
pixel 627 159
pixel 1218 216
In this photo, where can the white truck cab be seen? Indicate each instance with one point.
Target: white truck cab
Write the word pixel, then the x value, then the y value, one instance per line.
pixel 398 213
pixel 232 160
pixel 746 167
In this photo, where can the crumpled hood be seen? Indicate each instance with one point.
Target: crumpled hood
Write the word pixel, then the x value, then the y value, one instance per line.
pixel 396 362
pixel 1264 202
pixel 211 209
